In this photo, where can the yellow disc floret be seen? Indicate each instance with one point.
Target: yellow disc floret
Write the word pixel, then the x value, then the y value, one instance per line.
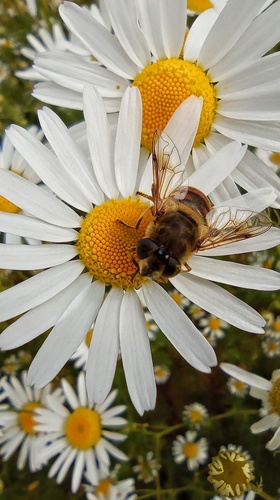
pixel 190 450
pixel 108 238
pixel 164 85
pixel 231 473
pixel 199 5
pixel 26 417
pixel 83 428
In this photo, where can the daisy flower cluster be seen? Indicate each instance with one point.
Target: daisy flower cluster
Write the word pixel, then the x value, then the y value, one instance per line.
pixel 139 249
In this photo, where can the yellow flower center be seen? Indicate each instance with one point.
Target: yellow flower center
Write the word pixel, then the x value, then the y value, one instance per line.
pixel 106 244
pixel 88 337
pixel 164 85
pixel 103 488
pixel 190 450
pixel 214 323
pixel 230 473
pixel 275 158
pixel 196 416
pixel 177 297
pixel 160 372
pixel 26 417
pixel 83 428
pixel 199 5
pixel 276 326
pixel 8 206
pixel 274 396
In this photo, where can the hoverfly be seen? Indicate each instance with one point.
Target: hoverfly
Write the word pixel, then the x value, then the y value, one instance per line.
pixel 183 221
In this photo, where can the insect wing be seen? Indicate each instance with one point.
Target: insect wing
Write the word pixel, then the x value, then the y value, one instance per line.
pixel 168 170
pixel 230 225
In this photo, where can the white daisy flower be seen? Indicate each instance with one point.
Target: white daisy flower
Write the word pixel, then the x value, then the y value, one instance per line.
pixel 268 391
pixel 106 489
pixel 213 328
pixel 11 160
pixel 270 158
pixel 147 468
pixel 196 413
pixel 191 450
pixel 151 326
pixel 162 374
pixel 223 61
pixel 196 312
pixel 78 433
pixel 237 388
pixel 11 365
pixel 80 356
pixel 231 472
pixel 98 243
pixel 17 420
pixel 271 344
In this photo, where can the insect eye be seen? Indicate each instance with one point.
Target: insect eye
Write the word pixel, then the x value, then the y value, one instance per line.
pixel 161 253
pixel 146 247
pixel 172 268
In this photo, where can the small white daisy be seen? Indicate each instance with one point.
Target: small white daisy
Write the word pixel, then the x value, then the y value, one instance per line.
pixel 11 365
pixel 231 472
pixel 237 388
pixel 196 414
pixel 191 450
pixel 108 488
pixel 222 58
pixel 147 468
pixel 180 299
pixel 271 344
pixel 11 160
pixel 17 420
pixel 151 326
pixel 213 328
pixel 162 374
pixel 78 433
pixel 270 158
pixel 89 249
pixel 196 312
pixel 268 391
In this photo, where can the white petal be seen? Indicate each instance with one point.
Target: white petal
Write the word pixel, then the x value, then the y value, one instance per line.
pixel 265 423
pixel 72 158
pixel 229 156
pixel 104 348
pixel 264 106
pixel 48 167
pixel 231 23
pixel 274 443
pixel 256 201
pixel 72 454
pixel 70 394
pixel 30 257
pixel 178 328
pixel 98 133
pixel 261 35
pixel 73 72
pixel 261 134
pixel 264 241
pixel 185 118
pixel 197 34
pixel 51 93
pixel 128 138
pixel 164 26
pixel 234 274
pixel 36 201
pixel 66 336
pixel 246 377
pixel 41 318
pixel 124 21
pixel 136 354
pixel 29 227
pixel 104 45
pixel 38 289
pixel 77 473
pixel 216 300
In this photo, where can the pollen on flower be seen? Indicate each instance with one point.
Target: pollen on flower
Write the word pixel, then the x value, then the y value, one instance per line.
pixel 26 417
pixel 106 244
pixel 83 428
pixel 164 85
